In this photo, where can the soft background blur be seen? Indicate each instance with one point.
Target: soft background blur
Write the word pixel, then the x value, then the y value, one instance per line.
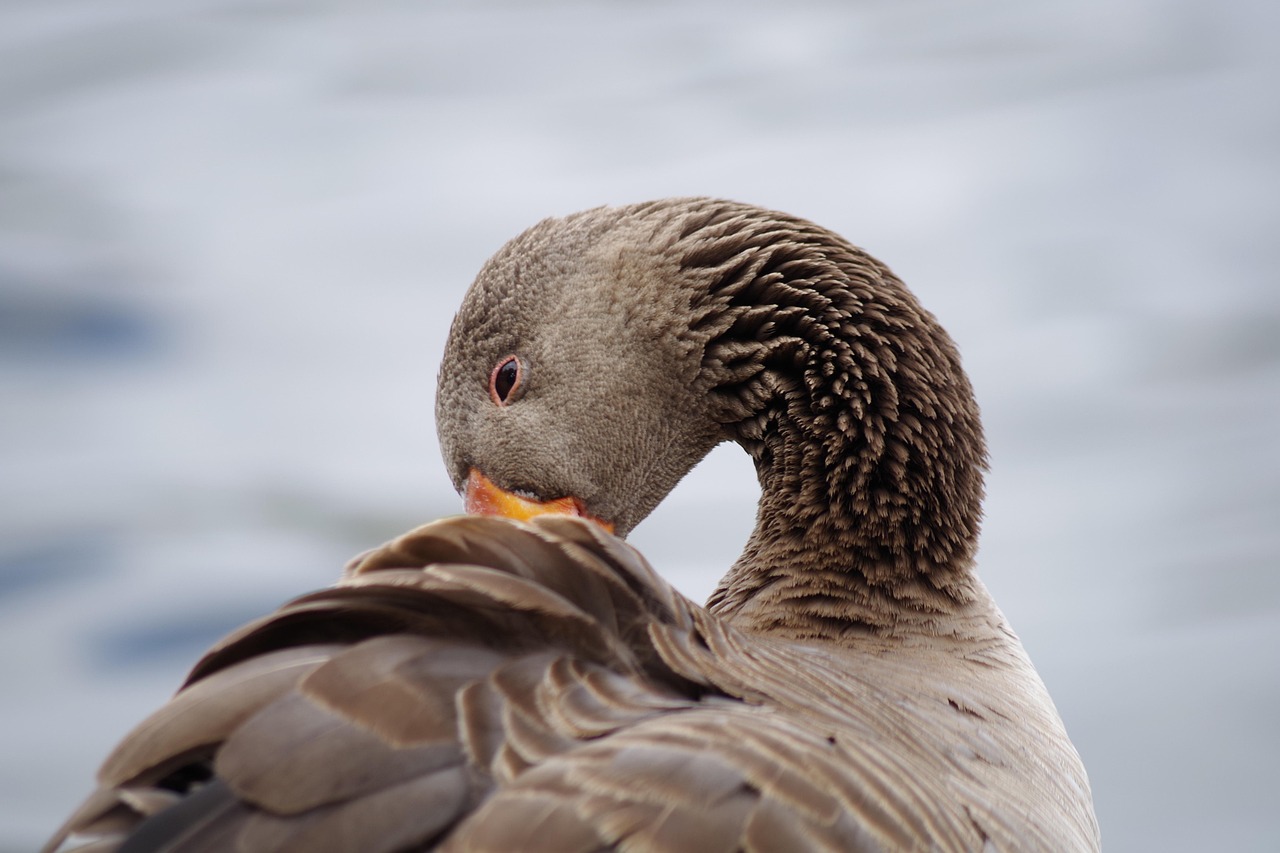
pixel 232 235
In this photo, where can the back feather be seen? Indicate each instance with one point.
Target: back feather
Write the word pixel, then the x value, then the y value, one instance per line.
pixel 480 684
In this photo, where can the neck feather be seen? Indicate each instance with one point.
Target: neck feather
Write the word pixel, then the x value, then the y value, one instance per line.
pixel 851 400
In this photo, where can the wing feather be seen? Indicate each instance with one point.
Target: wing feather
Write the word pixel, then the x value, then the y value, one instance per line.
pixel 482 685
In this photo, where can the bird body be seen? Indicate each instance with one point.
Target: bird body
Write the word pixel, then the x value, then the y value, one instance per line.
pixel 488 684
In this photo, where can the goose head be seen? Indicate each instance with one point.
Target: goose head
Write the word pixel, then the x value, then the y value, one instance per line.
pixel 598 357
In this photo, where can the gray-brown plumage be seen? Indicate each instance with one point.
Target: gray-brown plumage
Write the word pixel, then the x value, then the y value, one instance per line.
pixel 485 685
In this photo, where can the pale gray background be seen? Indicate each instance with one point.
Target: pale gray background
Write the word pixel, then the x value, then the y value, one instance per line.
pixel 232 235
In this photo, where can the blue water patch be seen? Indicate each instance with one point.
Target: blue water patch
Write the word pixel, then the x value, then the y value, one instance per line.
pixel 42 327
pixel 182 638
pixel 65 559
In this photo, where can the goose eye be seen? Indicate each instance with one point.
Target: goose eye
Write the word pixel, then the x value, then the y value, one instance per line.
pixel 504 379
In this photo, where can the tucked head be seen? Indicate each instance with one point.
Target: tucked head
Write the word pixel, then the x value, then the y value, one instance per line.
pixel 598 357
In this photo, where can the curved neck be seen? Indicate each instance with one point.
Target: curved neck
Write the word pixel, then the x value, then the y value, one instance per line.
pixel 851 400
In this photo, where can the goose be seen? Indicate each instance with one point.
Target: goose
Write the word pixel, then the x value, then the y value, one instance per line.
pixel 519 678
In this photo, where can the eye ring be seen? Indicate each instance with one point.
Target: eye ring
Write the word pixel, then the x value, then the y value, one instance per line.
pixel 505 380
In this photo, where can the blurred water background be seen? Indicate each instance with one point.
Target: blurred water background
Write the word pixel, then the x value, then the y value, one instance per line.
pixel 232 235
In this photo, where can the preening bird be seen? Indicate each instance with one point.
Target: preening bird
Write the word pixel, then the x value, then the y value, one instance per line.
pixel 490 684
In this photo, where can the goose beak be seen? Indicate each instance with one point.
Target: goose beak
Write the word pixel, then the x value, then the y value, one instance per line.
pixel 483 497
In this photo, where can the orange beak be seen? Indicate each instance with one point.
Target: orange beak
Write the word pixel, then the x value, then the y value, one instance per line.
pixel 483 497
